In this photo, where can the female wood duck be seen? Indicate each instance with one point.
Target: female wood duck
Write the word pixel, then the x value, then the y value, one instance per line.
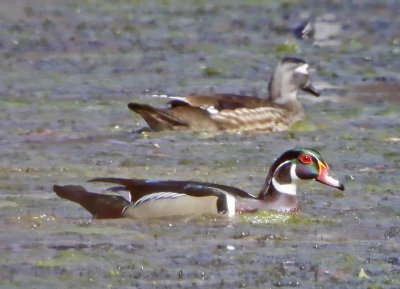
pixel 229 112
pixel 156 199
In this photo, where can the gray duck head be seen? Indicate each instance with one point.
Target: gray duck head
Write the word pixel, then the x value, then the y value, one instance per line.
pixel 291 74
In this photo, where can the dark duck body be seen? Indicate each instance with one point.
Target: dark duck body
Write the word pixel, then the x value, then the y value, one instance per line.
pixel 230 112
pixel 156 199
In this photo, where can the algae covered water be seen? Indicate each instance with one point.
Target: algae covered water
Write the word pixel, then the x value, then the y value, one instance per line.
pixel 69 68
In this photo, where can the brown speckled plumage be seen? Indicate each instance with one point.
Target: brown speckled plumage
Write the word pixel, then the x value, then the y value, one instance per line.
pixel 229 112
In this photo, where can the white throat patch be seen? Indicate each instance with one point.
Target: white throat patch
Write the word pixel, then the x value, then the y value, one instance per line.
pixel 291 188
pixel 303 69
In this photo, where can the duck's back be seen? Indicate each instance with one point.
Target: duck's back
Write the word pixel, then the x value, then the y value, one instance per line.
pixel 230 112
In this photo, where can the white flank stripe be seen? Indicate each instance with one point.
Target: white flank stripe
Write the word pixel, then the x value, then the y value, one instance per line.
pixel 231 204
pixel 158 196
pixel 310 153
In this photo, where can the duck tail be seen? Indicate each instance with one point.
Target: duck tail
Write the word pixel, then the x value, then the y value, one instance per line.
pixel 141 108
pixel 156 118
pixel 101 206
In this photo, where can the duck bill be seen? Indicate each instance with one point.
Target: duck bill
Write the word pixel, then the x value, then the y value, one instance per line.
pixel 325 178
pixel 310 89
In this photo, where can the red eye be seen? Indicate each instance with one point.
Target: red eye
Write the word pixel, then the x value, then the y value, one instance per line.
pixel 306 159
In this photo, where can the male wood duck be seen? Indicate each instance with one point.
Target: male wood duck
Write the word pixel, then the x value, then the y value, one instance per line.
pixel 229 112
pixel 156 199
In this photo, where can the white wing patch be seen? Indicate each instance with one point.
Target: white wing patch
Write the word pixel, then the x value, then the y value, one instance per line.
pixel 119 191
pixel 210 109
pixel 160 95
pixel 180 98
pixel 126 195
pixel 153 181
pixel 157 196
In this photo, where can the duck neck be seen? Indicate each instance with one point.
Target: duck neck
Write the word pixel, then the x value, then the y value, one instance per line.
pixel 286 97
pixel 280 89
pixel 283 181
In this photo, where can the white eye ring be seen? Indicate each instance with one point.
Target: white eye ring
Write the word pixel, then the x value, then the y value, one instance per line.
pixel 303 69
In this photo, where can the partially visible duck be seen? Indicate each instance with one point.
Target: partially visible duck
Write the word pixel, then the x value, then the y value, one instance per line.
pixel 156 199
pixel 229 112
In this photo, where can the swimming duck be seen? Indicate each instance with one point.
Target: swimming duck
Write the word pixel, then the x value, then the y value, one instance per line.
pixel 229 112
pixel 156 199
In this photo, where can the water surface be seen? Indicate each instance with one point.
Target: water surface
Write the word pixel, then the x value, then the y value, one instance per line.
pixel 69 68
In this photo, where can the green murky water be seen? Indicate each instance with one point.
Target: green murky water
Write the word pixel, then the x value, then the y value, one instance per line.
pixel 70 67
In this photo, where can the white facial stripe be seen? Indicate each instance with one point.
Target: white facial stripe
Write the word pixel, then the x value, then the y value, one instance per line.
pixel 231 204
pixel 294 177
pixel 282 164
pixel 304 69
pixel 293 174
pixel 310 153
